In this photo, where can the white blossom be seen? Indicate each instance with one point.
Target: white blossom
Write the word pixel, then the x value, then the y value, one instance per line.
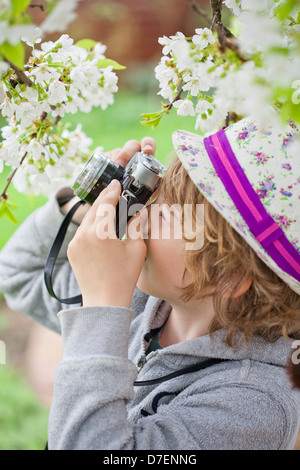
pixel 65 78
pixel 184 107
pixel 110 81
pixel 26 113
pixel 201 76
pixel 40 179
pixel 4 31
pixel 66 42
pixel 258 32
pixel 234 5
pixel 165 75
pixel 99 50
pixel 50 171
pixel 7 108
pixel 57 93
pixel 192 84
pixel 168 42
pixel 203 37
pixel 4 67
pixel 213 124
pixel 245 87
pixel 32 40
pixel 264 6
pixel 9 147
pixel 167 93
pixel 35 149
pixel 79 142
pixel 181 51
pixel 43 73
pixel 60 17
pixel 203 106
pixel 13 33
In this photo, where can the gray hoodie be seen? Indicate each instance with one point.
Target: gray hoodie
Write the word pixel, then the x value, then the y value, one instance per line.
pixel 241 401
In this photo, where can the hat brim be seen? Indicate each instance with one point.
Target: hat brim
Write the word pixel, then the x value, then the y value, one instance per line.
pixel 191 151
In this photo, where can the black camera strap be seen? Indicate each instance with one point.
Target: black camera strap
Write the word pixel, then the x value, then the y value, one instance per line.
pixel 121 221
pixel 53 253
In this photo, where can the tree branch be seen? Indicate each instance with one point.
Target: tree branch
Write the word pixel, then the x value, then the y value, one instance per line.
pixel 3 195
pixel 22 77
pixel 177 97
pixel 223 32
pixel 199 10
pixel 225 36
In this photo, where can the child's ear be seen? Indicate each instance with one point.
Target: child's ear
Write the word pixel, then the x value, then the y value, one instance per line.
pixel 242 289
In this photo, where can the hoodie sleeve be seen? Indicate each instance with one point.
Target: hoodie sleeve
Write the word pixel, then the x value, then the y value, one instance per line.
pixel 95 381
pixel 22 262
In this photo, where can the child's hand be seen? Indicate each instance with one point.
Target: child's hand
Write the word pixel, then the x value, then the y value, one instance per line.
pixel 106 268
pixel 121 156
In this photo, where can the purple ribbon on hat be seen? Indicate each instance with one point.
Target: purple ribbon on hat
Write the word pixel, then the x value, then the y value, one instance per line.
pixel 264 228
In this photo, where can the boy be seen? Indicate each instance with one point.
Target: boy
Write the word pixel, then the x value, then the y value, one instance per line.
pixel 194 357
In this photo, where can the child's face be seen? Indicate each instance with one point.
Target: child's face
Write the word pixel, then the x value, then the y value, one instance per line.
pixel 163 269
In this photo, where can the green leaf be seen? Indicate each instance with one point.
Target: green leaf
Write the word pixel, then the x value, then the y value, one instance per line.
pixel 287 101
pixel 86 43
pixel 11 204
pixel 18 6
pixel 279 50
pixel 16 54
pixel 285 8
pixel 5 211
pixel 150 116
pixel 151 119
pixel 104 63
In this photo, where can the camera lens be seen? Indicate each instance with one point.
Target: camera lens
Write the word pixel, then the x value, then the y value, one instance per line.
pixel 96 175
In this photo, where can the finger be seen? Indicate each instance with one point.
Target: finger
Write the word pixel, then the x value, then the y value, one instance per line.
pixel 137 225
pixel 148 145
pixel 135 243
pixel 154 196
pixel 127 152
pixel 113 154
pixel 110 195
pixel 105 222
pixel 106 211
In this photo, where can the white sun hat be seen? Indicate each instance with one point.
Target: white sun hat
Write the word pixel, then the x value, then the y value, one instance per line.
pixel 252 177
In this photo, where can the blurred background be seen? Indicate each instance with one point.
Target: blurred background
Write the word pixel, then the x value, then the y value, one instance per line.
pixel 130 29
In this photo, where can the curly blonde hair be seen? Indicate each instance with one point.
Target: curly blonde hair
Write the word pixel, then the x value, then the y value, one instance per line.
pixel 268 307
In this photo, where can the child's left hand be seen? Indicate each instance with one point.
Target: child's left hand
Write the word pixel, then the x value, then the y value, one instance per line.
pixel 106 268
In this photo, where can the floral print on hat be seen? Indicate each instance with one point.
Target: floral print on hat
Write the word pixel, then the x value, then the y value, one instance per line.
pixel 272 166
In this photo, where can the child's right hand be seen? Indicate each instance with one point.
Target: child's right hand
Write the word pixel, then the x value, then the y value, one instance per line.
pixel 121 156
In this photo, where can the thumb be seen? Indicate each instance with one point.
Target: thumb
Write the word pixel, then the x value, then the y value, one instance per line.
pixel 136 231
pixel 137 226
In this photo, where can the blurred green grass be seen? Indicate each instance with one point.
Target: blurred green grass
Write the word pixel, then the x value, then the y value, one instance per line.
pixel 23 421
pixel 110 129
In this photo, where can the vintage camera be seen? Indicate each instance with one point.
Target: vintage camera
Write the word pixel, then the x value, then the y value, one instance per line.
pixel 139 179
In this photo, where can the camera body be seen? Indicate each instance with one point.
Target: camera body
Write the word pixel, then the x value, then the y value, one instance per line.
pixel 139 180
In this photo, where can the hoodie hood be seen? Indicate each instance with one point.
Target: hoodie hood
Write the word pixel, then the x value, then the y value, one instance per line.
pixel 205 347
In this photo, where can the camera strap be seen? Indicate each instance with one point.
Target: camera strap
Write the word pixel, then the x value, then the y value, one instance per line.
pixel 53 253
